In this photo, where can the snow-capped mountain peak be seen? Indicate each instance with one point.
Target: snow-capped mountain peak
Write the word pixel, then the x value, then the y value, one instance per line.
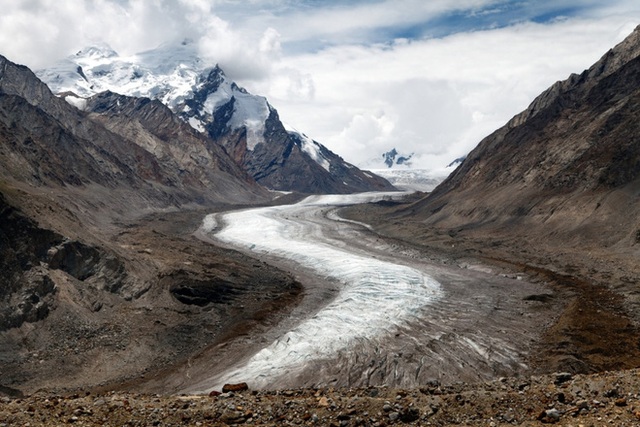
pixel 98 51
pixel 167 73
pixel 394 158
pixel 244 124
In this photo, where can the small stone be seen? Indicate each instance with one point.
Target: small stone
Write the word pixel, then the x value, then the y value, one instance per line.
pixel 394 416
pixel 410 415
pixel 621 402
pixel 214 393
pixel 232 417
pixel 323 402
pixel 387 407
pixel 582 404
pixel 553 414
pixel 550 416
pixel 611 393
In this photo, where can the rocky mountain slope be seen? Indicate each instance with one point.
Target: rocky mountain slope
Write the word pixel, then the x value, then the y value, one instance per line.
pixel 143 150
pixel 246 125
pixel 89 291
pixel 567 168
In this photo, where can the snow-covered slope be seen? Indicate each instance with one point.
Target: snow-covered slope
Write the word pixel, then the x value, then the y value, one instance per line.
pixel 245 124
pixel 167 73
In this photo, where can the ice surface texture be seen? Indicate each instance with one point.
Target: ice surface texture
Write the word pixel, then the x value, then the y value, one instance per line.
pixel 374 298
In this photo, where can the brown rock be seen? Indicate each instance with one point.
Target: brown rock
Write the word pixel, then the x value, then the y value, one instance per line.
pixel 234 387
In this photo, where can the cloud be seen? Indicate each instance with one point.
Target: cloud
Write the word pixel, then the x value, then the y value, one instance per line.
pixel 362 77
pixel 435 97
pixel 40 32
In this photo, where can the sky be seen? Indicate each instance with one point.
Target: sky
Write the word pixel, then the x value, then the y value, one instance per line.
pixel 428 77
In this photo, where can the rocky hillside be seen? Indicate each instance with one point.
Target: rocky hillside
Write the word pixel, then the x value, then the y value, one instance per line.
pixel 94 288
pixel 565 170
pixel 560 399
pixel 246 125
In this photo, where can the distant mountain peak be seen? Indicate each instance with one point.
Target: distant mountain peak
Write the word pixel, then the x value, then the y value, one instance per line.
pixel 457 162
pixel 393 158
pixel 97 51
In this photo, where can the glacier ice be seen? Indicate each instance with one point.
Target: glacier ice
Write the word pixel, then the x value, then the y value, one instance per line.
pixel 374 297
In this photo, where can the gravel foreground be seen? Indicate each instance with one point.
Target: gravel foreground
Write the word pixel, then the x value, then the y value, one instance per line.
pixel 605 399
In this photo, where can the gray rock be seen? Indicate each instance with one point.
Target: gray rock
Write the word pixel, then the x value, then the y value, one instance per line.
pixel 563 377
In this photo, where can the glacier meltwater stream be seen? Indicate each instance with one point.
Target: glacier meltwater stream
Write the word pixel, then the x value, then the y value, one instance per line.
pixel 374 295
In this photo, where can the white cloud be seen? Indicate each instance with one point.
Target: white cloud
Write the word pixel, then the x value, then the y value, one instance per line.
pixel 438 97
pixel 342 22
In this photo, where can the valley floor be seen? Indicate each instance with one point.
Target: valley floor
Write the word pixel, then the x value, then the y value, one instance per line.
pixel 583 326
pixel 373 312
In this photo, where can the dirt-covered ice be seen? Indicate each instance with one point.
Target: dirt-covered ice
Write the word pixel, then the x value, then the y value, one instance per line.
pixel 396 317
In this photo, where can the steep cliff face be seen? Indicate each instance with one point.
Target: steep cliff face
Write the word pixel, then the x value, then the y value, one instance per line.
pixel 566 169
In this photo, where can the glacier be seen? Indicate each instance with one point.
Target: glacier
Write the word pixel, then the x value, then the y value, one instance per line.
pixel 374 296
pixel 373 312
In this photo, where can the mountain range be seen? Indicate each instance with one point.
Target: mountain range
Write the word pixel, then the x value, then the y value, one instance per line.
pixel 246 125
